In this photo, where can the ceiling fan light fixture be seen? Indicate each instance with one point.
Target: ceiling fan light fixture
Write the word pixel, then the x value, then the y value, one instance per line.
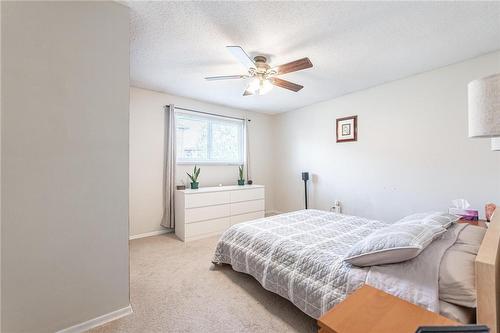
pixel 265 86
pixel 259 86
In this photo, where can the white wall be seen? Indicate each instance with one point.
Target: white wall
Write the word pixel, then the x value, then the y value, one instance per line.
pixel 65 123
pixel 146 155
pixel 412 154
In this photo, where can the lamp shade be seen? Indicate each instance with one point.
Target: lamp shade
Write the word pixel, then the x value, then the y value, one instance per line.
pixel 495 144
pixel 484 107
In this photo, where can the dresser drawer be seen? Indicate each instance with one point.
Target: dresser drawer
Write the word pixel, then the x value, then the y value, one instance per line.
pixel 206 199
pixel 246 217
pixel 245 195
pixel 206 213
pixel 247 207
pixel 207 227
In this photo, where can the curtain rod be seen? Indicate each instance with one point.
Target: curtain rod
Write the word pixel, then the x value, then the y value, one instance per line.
pixel 211 114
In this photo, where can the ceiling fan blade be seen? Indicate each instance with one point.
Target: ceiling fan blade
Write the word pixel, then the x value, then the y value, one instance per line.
pixel 286 84
pixel 241 56
pixel 226 77
pixel 293 66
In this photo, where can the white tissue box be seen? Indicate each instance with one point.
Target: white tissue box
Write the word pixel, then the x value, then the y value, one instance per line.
pixel 468 214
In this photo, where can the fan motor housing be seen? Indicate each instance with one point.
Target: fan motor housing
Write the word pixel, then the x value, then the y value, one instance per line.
pixel 261 63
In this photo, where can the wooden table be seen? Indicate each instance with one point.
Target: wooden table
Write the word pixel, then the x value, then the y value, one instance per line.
pixel 369 310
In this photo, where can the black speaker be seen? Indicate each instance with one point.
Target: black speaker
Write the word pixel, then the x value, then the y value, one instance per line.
pixel 305 178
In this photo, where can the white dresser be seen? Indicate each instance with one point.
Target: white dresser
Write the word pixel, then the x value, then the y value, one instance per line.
pixel 209 211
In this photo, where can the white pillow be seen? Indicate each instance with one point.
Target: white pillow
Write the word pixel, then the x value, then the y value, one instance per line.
pixel 396 243
pixel 436 218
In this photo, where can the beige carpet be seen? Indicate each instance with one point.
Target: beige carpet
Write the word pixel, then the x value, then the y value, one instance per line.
pixel 175 288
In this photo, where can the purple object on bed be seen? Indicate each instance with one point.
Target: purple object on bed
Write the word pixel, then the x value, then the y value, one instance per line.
pixel 466 214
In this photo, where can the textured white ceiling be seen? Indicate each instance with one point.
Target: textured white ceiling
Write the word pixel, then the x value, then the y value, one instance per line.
pixel 353 45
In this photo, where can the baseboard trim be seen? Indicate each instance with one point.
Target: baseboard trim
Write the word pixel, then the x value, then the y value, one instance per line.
pixel 273 212
pixel 98 321
pixel 152 233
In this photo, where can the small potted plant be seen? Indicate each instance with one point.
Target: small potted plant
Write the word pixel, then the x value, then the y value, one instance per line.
pixel 194 178
pixel 241 181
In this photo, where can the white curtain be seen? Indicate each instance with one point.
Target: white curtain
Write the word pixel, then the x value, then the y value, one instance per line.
pixel 168 219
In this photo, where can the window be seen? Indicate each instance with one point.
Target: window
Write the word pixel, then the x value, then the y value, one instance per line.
pixel 209 139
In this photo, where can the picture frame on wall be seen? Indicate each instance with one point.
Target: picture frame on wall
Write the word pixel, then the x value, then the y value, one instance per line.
pixel 347 129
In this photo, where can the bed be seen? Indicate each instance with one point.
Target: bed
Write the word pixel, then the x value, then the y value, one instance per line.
pixel 300 256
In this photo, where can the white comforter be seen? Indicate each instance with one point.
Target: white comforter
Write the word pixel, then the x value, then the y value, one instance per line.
pixel 299 255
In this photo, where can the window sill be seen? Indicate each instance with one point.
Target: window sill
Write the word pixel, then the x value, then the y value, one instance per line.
pixel 209 163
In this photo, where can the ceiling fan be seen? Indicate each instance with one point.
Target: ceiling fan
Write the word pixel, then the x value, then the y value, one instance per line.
pixel 262 74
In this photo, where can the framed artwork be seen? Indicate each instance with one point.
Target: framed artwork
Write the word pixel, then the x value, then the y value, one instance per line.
pixel 347 129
